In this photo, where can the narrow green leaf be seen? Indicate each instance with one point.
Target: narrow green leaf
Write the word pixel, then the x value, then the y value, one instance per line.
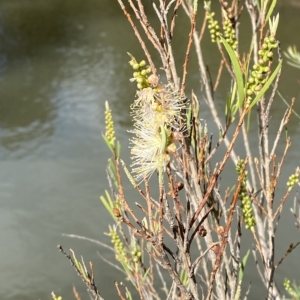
pixel 237 71
pixel 234 107
pixel 111 203
pixel 118 149
pixel 243 265
pixel 109 145
pixel 188 118
pixel 112 171
pixel 267 85
pixel 145 275
pixel 272 6
pixel 107 206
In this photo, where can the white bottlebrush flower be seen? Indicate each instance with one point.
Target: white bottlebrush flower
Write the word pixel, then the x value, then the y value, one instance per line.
pixel 156 113
pixel 161 105
pixel 150 150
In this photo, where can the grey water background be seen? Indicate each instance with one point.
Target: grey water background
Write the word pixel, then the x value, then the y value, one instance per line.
pixel 59 62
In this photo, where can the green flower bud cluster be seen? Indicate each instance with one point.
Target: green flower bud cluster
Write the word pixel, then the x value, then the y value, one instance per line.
pixel 109 125
pixel 287 286
pixel 229 34
pixel 118 245
pixel 213 26
pixel 245 199
pixel 141 73
pixel 136 254
pixel 54 297
pixel 260 70
pixel 293 179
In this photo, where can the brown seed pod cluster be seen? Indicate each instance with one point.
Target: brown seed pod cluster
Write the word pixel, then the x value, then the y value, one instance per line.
pixel 116 212
pixel 202 231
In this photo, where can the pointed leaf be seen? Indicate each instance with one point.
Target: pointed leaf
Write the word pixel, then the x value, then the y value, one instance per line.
pixel 237 71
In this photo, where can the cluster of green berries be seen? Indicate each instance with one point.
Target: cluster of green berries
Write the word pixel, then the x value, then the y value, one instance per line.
pixel 141 73
pixel 245 199
pixel 109 125
pixel 118 245
pixel 287 286
pixel 229 34
pixel 260 70
pixel 293 179
pixel 213 26
pixel 136 254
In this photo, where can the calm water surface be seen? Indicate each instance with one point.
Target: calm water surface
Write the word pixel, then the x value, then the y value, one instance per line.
pixel 59 62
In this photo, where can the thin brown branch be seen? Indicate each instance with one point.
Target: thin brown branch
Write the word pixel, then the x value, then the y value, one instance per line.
pixel 178 3
pixel 283 122
pixel 201 33
pixel 87 278
pixel 226 231
pixel 254 198
pixel 187 53
pixel 258 245
pixel 119 291
pixel 219 75
pixel 136 32
pixel 288 251
pixel 75 293
pixel 216 175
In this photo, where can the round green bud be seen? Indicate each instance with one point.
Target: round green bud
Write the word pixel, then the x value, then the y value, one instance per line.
pixel 140 80
pixel 264 46
pixel 139 86
pixel 256 67
pixel 249 92
pixel 259 75
pixel 136 66
pixel 143 72
pixel 270 54
pixel 266 59
pixel 258 88
pixel 136 74
pixel 272 40
pixel 142 63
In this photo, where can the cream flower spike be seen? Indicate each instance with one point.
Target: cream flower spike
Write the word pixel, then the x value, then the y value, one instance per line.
pixel 156 113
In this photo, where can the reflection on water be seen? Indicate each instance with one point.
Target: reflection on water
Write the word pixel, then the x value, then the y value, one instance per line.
pixel 59 62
